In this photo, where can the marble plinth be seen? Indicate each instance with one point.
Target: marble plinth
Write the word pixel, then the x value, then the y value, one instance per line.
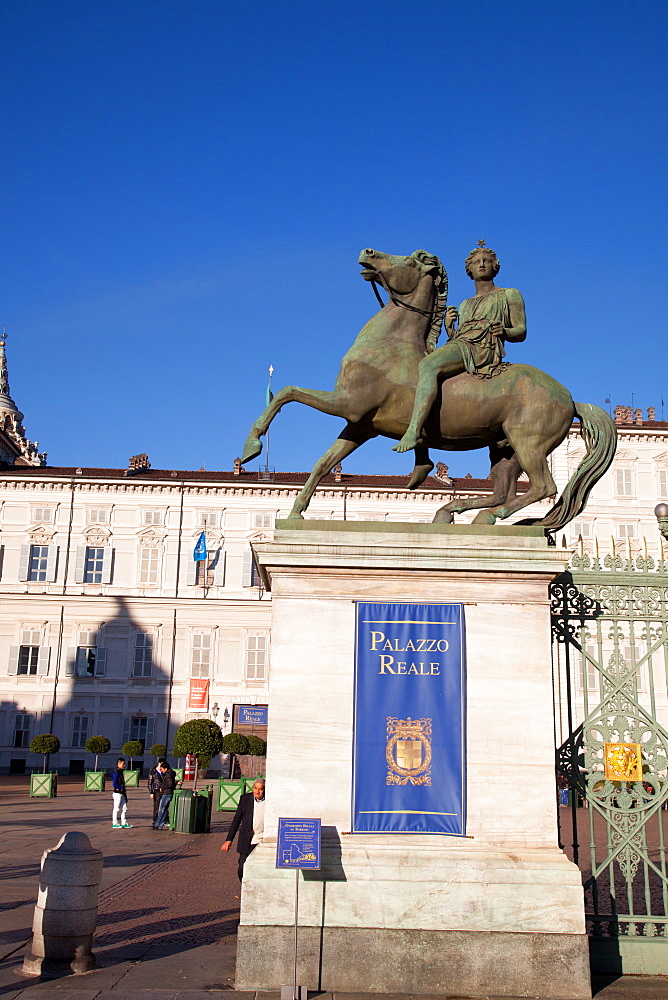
pixel 500 912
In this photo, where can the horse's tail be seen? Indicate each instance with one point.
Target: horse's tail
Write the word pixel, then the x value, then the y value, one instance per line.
pixel 600 436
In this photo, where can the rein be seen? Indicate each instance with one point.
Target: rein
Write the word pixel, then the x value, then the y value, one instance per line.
pixel 397 302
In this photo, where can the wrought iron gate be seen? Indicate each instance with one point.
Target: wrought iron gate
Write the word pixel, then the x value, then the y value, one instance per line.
pixel 610 653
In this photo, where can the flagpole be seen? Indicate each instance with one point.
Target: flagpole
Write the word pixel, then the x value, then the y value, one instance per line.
pixel 270 396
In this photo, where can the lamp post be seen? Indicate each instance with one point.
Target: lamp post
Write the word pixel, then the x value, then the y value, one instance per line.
pixel 661 513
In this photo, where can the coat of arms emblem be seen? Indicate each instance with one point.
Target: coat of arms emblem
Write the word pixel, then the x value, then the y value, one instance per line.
pixel 408 751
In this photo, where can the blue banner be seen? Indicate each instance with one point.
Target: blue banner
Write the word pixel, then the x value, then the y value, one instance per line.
pixel 199 552
pixel 409 757
pixel 250 715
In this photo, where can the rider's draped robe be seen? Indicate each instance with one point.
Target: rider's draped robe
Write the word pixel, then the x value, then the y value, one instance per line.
pixel 482 351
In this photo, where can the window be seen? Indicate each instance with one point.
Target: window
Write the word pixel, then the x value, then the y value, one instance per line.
pixel 94 565
pixel 250 575
pixel 151 517
pixel 21 731
pixel 45 515
pixel 97 515
pixel 256 657
pixel 583 528
pixel 663 483
pixel 79 731
pixel 207 519
pixel 200 664
pixel 263 519
pixel 149 562
pixel 29 658
pixel 626 531
pixel 139 727
pixel 624 482
pixel 143 666
pixel 39 556
pixel 87 659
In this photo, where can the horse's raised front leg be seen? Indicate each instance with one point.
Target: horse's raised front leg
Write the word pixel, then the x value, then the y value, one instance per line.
pixel 351 438
pixel 337 403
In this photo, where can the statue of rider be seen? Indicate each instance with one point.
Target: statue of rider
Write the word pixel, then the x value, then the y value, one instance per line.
pixel 486 321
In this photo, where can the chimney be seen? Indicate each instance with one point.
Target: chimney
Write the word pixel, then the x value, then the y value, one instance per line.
pixel 337 470
pixel 651 414
pixel 637 417
pixel 238 467
pixel 138 463
pixel 442 473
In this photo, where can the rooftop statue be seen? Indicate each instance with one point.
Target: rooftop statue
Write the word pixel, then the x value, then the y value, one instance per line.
pixel 395 381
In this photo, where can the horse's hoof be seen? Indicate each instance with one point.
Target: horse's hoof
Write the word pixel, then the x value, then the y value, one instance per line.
pixel 295 516
pixel 443 517
pixel 252 449
pixel 420 473
pixel 485 517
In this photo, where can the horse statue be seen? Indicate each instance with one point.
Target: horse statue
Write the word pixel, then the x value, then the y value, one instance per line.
pixel 521 414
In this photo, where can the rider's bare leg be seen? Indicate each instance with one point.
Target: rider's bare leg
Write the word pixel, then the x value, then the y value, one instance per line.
pixel 423 466
pixel 445 361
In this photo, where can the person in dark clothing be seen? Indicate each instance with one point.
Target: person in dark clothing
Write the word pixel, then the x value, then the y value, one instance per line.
pixel 249 820
pixel 120 797
pixel 155 786
pixel 168 778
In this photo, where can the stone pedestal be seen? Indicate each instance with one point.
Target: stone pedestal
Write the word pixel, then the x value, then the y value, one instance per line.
pixel 500 912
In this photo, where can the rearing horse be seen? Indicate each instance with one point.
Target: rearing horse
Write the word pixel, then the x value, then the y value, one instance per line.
pixel 521 414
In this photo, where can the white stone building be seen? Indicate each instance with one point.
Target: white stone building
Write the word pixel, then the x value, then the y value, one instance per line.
pixel 108 626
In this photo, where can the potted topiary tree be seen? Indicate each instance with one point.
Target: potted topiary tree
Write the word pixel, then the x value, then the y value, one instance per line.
pixel 158 750
pixel 201 737
pixel 94 780
pixel 235 744
pixel 133 748
pixel 44 785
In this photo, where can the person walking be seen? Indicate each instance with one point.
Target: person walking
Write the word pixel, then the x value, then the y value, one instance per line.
pixel 155 786
pixel 168 779
pixel 120 798
pixel 249 820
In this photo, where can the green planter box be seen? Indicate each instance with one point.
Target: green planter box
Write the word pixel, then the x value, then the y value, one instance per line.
pixel 131 778
pixel 94 781
pixel 44 786
pixel 228 794
pixel 172 807
pixel 179 772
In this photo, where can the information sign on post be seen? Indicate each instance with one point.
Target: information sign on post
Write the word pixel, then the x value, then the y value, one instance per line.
pixel 298 847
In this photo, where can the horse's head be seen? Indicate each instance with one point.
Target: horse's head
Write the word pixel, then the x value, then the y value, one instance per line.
pixel 402 275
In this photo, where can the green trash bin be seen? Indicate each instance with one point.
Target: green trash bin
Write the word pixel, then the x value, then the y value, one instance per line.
pixel 228 794
pixel 94 781
pixel 172 807
pixel 44 786
pixel 204 800
pixel 185 812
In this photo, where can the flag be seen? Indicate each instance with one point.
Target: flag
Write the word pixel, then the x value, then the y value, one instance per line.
pixel 269 395
pixel 200 549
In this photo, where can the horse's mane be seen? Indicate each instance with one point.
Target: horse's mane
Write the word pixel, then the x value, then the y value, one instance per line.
pixel 441 283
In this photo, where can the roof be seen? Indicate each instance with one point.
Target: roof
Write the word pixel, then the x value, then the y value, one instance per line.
pixel 246 478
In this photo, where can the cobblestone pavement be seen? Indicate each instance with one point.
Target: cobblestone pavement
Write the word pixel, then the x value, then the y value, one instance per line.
pixel 168 906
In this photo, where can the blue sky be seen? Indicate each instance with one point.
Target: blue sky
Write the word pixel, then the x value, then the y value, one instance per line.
pixel 187 185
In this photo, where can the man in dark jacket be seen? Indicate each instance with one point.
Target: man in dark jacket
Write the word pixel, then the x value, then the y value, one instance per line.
pixel 250 818
pixel 154 786
pixel 168 779
pixel 120 797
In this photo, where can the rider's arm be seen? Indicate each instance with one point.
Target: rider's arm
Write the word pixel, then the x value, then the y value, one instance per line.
pixel 518 329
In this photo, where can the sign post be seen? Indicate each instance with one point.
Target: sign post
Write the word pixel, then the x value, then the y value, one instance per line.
pixel 298 846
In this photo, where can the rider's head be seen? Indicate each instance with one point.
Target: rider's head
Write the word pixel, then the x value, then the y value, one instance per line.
pixel 480 249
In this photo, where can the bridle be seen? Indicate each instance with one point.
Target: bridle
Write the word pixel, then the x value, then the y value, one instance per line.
pixel 397 302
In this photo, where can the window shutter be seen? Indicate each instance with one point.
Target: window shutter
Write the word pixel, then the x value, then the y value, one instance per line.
pixel 191 578
pixel 150 729
pixel 219 569
pixel 247 573
pixel 43 658
pixel 107 561
pixel 70 662
pixel 126 729
pixel 14 659
pixel 80 564
pixel 24 563
pixel 52 564
pixel 100 661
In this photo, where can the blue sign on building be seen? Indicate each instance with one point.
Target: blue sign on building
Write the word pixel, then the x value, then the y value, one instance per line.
pixel 298 843
pixel 250 715
pixel 408 758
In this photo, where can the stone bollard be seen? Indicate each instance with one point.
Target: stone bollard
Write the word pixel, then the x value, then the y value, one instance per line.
pixel 66 910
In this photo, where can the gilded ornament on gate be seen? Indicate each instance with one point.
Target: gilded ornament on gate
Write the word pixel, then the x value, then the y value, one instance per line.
pixel 623 761
pixel 408 751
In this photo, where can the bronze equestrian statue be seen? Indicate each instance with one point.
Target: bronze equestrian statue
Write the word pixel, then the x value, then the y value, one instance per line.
pixel 520 413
